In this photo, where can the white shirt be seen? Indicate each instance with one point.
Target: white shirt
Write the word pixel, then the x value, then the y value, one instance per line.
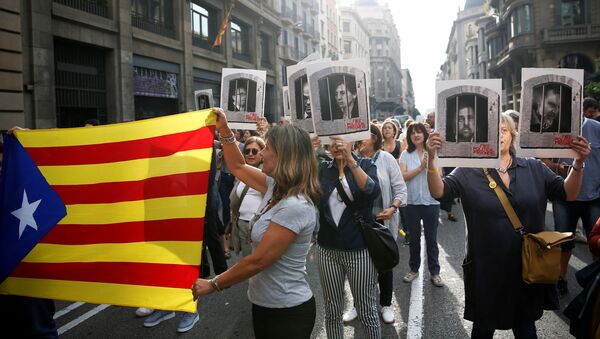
pixel 336 204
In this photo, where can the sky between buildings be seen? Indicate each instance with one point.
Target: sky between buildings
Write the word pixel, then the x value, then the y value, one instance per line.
pixel 424 27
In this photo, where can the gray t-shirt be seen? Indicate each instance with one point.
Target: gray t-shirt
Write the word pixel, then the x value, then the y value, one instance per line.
pixel 283 284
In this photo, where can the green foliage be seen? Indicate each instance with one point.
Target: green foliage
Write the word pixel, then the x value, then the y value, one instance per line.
pixel 592 83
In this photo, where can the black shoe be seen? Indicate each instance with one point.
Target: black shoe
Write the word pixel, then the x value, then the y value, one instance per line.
pixel 562 287
pixel 452 217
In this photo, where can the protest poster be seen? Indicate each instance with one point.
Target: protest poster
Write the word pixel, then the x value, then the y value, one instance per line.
pixel 203 99
pixel 339 99
pixel 551 111
pixel 468 120
pixel 243 96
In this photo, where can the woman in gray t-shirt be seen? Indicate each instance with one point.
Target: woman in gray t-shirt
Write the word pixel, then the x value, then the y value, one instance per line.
pixel 281 232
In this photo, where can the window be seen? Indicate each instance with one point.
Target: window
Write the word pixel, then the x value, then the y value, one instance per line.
pixel 347 46
pixel 204 21
pixel 239 40
pixel 520 21
pixel 571 12
pixel 285 37
pixel 265 50
pixel 153 15
pixel 346 26
pixel 199 21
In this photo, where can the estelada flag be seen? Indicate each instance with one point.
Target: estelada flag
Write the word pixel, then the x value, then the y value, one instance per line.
pixel 135 196
pixel 224 24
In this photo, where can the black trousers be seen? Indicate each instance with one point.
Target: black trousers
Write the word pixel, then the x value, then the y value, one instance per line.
pixel 212 242
pixel 386 285
pixel 27 317
pixel 284 323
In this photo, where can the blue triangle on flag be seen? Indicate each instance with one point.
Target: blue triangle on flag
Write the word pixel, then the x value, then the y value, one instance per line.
pixel 29 207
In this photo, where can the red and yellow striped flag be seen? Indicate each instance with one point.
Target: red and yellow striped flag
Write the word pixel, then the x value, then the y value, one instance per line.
pixel 135 195
pixel 224 24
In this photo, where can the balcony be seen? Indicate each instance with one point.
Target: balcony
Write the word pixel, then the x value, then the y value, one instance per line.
pixel 203 42
pixel 286 53
pixel 308 31
pixel 96 7
pixel 151 25
pixel 578 33
pixel 287 16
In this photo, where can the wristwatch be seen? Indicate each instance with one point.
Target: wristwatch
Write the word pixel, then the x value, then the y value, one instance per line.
pixel 578 169
pixel 394 207
pixel 354 165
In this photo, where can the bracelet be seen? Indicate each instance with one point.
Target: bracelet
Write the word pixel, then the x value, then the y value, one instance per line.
pixel 214 284
pixel 577 169
pixel 228 139
pixel 394 207
pixel 353 166
pixel 435 170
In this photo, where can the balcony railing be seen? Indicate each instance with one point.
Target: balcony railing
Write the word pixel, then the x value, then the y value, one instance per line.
pixel 288 14
pixel 202 42
pixel 571 33
pixel 286 53
pixel 96 7
pixel 151 25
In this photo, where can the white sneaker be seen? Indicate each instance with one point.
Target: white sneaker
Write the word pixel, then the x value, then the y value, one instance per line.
pixel 387 314
pixel 350 315
pixel 144 312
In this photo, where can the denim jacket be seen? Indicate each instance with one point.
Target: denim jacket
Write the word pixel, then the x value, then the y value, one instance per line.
pixel 347 235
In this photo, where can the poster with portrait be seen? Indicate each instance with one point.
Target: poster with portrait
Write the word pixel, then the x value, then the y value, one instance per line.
pixel 243 96
pixel 299 91
pixel 203 99
pixel 286 101
pixel 339 98
pixel 551 106
pixel 468 119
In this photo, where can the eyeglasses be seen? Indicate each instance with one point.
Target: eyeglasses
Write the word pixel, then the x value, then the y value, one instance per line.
pixel 254 151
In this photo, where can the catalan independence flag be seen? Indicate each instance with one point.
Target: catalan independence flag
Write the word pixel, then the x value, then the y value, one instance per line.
pixel 224 24
pixel 135 196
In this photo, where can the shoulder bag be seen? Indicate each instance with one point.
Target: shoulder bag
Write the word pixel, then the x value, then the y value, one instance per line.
pixel 379 240
pixel 540 252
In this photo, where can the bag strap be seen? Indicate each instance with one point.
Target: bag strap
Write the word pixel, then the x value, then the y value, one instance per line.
pixel 345 198
pixel 512 215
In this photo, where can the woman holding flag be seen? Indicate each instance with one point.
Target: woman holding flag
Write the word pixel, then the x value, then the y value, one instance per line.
pixel 281 232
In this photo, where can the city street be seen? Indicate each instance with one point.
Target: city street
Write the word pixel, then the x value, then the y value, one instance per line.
pixel 422 310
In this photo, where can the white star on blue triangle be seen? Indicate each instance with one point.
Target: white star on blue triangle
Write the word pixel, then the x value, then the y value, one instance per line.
pixel 25 214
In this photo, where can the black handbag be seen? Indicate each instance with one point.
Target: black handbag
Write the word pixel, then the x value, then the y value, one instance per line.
pixel 380 243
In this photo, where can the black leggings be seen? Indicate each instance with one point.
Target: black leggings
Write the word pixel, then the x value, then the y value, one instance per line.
pixel 294 322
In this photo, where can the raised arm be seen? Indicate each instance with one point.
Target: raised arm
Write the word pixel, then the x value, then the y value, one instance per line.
pixel 573 182
pixel 434 180
pixel 249 175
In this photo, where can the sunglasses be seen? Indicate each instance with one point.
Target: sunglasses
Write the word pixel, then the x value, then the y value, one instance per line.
pixel 254 151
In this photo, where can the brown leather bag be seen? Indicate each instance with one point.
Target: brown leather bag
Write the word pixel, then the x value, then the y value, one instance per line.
pixel 540 252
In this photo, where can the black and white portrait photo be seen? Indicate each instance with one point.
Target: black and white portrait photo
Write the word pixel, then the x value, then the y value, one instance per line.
pixel 551 105
pixel 300 97
pixel 338 97
pixel 468 118
pixel 243 96
pixel 302 94
pixel 204 99
pixel 340 102
pixel 551 108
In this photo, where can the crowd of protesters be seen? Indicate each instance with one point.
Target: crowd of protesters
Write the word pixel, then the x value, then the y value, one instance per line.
pixel 275 192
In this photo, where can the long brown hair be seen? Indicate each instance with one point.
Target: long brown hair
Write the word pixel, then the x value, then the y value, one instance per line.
pixel 296 171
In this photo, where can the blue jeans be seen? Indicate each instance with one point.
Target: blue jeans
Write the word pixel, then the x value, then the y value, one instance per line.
pixel 429 214
pixel 567 213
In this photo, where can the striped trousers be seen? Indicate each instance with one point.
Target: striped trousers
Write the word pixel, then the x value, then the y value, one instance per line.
pixel 334 267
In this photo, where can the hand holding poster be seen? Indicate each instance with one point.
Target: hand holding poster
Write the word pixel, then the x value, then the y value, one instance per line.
pixel 468 119
pixel 551 107
pixel 339 98
pixel 243 96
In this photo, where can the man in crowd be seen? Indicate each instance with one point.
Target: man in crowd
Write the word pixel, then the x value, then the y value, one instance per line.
pixel 591 109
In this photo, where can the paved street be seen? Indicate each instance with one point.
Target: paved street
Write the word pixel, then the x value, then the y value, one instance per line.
pixel 433 312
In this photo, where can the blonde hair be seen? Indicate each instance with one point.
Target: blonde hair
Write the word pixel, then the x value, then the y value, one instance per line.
pixel 510 123
pixel 258 140
pixel 296 171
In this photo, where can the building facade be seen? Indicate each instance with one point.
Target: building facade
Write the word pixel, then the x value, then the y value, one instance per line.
pixel 408 94
pixel 329 22
pixel 355 36
pixel 541 34
pixel 384 44
pixel 121 60
pixel 463 49
pixel 300 35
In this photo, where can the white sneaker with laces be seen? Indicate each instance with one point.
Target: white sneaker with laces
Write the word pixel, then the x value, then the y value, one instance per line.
pixel 144 312
pixel 350 315
pixel 387 314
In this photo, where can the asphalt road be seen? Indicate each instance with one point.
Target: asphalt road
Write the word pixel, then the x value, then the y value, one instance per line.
pixel 433 312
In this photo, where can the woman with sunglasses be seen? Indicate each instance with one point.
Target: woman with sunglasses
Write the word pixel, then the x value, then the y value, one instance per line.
pixel 245 201
pixel 283 305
